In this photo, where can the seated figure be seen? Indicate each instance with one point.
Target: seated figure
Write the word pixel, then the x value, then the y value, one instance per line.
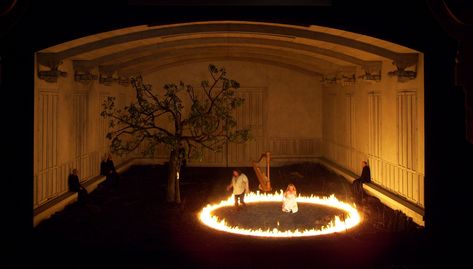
pixel 75 186
pixel 289 203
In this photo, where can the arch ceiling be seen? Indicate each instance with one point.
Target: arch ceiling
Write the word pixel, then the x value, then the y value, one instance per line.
pixel 314 50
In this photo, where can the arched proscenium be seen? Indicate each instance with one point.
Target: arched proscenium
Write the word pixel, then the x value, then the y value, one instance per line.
pixel 121 49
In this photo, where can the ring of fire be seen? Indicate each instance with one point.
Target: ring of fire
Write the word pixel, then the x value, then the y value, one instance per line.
pixel 352 217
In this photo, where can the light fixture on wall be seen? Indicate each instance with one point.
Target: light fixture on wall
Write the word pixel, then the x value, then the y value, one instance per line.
pixel 84 77
pixel 329 80
pixel 46 60
pixel 343 80
pixel 371 76
pixel 371 71
pixel 51 75
pixel 124 81
pixel 406 69
pixel 346 75
pixel 106 79
pixel 403 75
pixel 347 80
pixel 83 71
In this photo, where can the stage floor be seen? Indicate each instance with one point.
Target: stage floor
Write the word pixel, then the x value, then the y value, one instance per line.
pixel 131 226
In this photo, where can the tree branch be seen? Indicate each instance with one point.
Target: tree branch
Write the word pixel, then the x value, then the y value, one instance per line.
pixel 209 125
pixel 140 127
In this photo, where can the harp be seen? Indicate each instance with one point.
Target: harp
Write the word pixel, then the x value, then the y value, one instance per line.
pixel 263 175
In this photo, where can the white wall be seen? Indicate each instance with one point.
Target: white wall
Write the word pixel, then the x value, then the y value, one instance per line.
pixel 291 114
pixel 69 132
pixel 284 108
pixel 351 130
pixel 287 103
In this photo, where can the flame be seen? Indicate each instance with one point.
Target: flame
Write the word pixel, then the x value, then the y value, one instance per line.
pixel 337 225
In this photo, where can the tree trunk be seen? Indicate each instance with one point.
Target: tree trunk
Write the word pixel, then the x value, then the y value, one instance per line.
pixel 178 190
pixel 173 192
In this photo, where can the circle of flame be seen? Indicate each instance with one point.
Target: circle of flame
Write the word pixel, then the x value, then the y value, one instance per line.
pixel 352 217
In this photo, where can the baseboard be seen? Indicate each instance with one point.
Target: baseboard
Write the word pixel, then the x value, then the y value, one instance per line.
pixel 282 160
pixel 393 201
pixel 59 203
pixel 389 199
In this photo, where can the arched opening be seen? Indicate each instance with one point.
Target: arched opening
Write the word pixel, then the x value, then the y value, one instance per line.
pixel 313 94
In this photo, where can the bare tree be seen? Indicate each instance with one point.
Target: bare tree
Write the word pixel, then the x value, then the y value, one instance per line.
pixel 185 119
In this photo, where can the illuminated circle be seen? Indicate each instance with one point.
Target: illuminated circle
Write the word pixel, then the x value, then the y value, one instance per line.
pixel 337 225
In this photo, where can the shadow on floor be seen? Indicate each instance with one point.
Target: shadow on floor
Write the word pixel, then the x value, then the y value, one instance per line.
pixel 131 226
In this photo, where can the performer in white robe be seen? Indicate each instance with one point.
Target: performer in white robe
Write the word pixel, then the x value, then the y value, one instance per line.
pixel 289 203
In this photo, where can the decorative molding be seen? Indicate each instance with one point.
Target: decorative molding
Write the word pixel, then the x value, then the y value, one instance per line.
pixel 403 75
pixel 371 77
pixel 124 81
pixel 329 80
pixel 349 80
pixel 409 61
pixel 84 77
pixel 106 76
pixel 345 76
pixel 372 71
pixel 106 79
pixel 82 72
pixel 51 75
pixel 51 61
pixel 338 80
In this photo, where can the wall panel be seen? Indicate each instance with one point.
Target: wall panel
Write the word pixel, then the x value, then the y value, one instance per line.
pixel 47 183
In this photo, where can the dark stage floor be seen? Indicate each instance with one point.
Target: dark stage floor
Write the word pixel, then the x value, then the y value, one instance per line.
pixel 131 226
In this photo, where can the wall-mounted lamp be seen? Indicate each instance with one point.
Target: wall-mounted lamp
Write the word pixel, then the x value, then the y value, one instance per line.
pixel 84 77
pixel 106 80
pixel 403 75
pixel 51 75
